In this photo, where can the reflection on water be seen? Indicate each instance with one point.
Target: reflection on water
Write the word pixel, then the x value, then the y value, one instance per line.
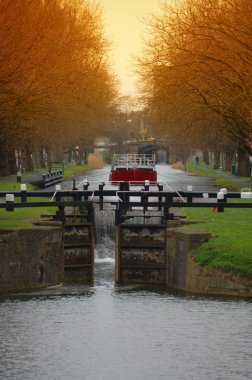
pixel 108 332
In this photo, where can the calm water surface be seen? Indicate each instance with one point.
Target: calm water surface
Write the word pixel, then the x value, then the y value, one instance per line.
pixel 105 332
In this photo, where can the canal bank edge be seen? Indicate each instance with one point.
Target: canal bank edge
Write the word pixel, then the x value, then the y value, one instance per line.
pixel 33 258
pixel 184 273
pixel 30 258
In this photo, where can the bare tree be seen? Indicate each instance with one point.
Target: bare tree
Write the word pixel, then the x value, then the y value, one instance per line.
pixel 196 69
pixel 55 81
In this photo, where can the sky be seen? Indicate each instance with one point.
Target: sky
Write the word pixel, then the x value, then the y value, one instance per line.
pixel 122 20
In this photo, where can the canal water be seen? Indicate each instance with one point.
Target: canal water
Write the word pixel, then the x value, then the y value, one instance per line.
pixel 109 332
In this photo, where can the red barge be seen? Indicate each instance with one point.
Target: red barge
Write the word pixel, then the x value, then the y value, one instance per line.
pixel 133 168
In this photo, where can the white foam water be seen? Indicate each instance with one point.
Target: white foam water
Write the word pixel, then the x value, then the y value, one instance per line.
pixel 108 260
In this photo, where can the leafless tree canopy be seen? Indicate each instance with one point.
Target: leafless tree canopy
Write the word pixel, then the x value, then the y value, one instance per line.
pixel 197 71
pixel 55 82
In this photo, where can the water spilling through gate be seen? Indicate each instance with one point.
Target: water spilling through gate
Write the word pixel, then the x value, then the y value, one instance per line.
pixel 104 248
pixel 103 331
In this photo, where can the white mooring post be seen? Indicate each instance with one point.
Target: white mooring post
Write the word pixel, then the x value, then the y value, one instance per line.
pixel 23 193
pixel 221 198
pixel 9 199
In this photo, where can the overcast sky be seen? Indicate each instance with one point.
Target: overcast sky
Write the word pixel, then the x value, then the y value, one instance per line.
pixel 122 19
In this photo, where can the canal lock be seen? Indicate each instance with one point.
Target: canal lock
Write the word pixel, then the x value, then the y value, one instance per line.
pixel 135 249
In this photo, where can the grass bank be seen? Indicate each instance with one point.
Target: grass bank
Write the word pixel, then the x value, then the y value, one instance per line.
pixel 230 249
pixel 6 186
pixel 20 217
pixel 219 179
pixel 24 217
pixel 73 170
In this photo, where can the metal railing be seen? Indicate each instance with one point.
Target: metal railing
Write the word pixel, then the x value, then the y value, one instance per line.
pixel 49 179
pixel 151 196
pixel 133 160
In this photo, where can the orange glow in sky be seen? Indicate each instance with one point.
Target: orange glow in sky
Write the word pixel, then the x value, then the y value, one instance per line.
pixel 123 25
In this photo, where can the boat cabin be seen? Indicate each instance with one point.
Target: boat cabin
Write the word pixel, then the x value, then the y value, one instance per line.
pixel 133 168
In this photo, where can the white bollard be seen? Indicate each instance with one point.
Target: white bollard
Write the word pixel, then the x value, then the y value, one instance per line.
pixel 220 195
pixel 146 182
pixel 9 198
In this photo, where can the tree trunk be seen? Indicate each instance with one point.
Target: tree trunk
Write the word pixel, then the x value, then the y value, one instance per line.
pixel 58 156
pixel 80 155
pixel 70 152
pixel 41 158
pixel 7 162
pixel 36 157
pixel 228 161
pixel 216 159
pixel 49 158
pixel 85 156
pixel 29 161
pixel 4 165
pixel 12 166
pixel 184 163
pixel 206 157
pixel 243 169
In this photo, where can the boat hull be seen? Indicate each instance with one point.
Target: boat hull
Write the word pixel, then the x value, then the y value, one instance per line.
pixel 136 176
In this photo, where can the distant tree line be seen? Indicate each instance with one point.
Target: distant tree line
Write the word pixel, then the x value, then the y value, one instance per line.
pixel 196 71
pixel 56 88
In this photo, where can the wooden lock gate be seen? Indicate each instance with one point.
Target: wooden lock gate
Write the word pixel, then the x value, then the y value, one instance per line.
pixel 140 255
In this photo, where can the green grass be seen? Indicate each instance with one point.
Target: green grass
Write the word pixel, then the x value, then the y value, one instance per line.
pixel 24 217
pixel 230 250
pixel 219 180
pixel 6 186
pixel 73 170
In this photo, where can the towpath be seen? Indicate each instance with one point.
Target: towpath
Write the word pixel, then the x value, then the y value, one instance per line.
pixel 233 178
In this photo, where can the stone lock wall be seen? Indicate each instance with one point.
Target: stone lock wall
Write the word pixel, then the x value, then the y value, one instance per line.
pixel 31 257
pixel 183 273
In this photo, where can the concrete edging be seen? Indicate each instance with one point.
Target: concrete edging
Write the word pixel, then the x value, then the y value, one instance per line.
pixel 30 258
pixel 184 273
